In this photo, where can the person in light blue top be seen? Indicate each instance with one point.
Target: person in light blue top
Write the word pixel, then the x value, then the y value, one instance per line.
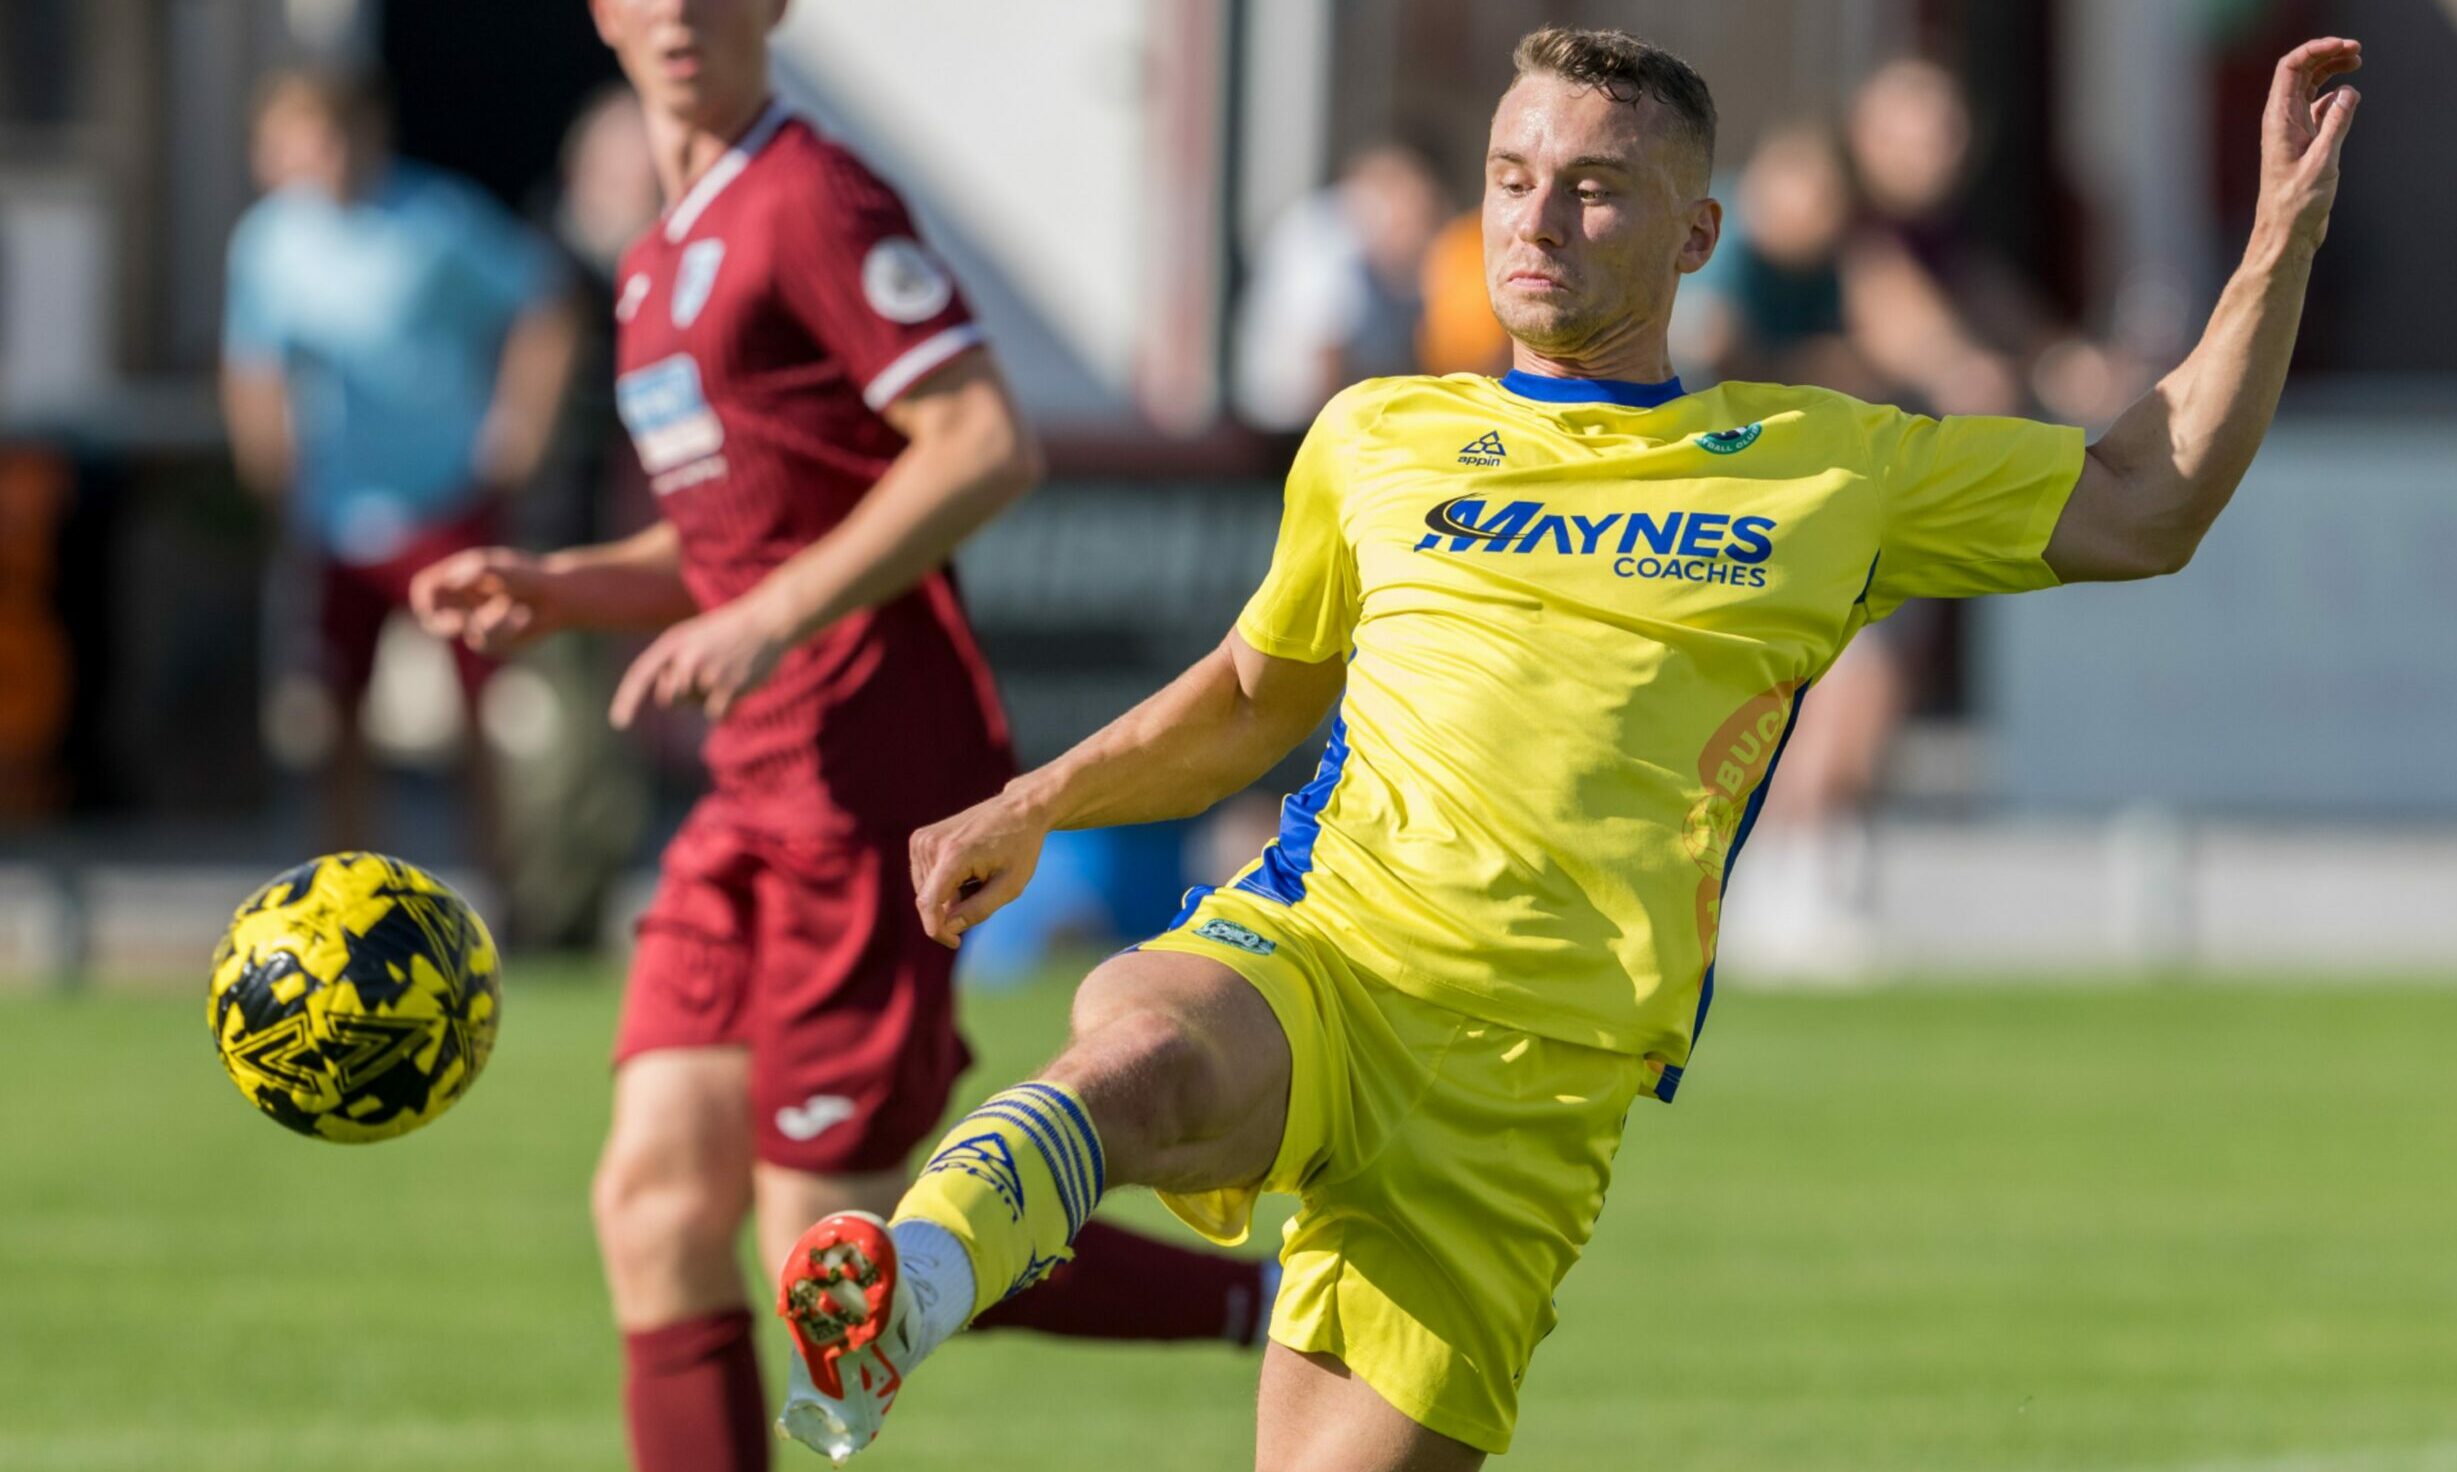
pixel 395 348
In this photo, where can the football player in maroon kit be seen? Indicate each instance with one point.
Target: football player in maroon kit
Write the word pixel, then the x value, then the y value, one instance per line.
pixel 822 425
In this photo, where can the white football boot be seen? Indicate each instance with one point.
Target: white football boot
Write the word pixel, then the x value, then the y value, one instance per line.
pixel 854 1331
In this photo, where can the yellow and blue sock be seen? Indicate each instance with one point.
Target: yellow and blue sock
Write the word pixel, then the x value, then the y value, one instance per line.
pixel 1012 1183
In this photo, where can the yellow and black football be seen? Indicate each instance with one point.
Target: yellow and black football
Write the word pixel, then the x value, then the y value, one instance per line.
pixel 355 997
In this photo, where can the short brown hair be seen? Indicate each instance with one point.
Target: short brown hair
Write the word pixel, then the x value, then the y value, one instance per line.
pixel 356 103
pixel 1624 69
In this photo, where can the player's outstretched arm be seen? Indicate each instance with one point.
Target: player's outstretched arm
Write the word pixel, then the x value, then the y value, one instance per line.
pixel 968 457
pixel 1205 735
pixel 2156 481
pixel 498 599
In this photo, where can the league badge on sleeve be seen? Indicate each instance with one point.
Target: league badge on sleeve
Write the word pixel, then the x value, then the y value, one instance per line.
pixel 904 282
pixel 695 278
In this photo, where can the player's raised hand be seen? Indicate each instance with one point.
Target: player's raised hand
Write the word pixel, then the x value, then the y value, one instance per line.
pixel 494 599
pixel 711 660
pixel 966 867
pixel 2301 133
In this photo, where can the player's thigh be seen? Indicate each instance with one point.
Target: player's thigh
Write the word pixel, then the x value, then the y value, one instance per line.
pixel 680 1138
pixel 681 1121
pixel 1190 1045
pixel 786 1201
pixel 1314 1416
pixel 674 1182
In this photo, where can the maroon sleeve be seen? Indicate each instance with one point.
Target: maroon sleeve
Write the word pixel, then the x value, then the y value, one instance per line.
pixel 856 273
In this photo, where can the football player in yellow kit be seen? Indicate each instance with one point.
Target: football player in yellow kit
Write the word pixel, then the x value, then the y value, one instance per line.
pixel 1567 618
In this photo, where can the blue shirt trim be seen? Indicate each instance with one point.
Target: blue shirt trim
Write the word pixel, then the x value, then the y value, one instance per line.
pixel 1291 856
pixel 1591 390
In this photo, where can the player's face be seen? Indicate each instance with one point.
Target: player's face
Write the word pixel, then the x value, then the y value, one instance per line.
pixel 297 143
pixel 1592 211
pixel 697 61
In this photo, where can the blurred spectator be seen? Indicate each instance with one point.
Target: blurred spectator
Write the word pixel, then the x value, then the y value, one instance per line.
pixel 1857 293
pixel 1460 334
pixel 605 195
pixel 36 674
pixel 1771 307
pixel 609 192
pixel 576 796
pixel 1918 287
pixel 394 348
pixel 1335 294
pixel 1950 321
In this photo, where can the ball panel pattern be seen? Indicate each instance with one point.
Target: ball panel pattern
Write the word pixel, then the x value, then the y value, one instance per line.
pixel 355 997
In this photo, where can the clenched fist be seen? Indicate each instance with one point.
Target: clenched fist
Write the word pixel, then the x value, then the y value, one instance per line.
pixel 967 866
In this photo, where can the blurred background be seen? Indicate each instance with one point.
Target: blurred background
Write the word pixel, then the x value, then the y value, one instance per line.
pixel 1187 222
pixel 2092 1109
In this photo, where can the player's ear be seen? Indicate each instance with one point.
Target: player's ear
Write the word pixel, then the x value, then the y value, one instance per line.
pixel 601 13
pixel 1705 229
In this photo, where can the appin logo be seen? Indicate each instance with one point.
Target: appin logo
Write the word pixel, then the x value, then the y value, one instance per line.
pixel 1230 933
pixel 1730 441
pixel 1484 453
pixel 986 1159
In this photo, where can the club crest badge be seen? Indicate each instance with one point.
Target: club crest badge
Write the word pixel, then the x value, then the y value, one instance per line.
pixel 1730 441
pixel 696 278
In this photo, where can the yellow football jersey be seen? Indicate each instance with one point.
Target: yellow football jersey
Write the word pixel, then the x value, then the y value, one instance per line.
pixel 1581 617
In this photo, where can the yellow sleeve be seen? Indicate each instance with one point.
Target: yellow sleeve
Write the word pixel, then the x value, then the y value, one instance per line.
pixel 1306 608
pixel 1970 502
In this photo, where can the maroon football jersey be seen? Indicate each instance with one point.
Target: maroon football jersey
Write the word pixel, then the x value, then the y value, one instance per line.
pixel 763 324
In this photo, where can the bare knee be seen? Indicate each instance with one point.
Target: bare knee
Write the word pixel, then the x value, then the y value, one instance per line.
pixel 1160 1058
pixel 659 1218
pixel 1184 1068
pixel 674 1185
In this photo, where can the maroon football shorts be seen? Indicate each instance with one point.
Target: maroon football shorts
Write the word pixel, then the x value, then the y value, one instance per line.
pixel 356 598
pixel 809 953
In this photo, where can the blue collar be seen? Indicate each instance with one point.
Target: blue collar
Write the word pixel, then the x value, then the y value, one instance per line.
pixel 1592 390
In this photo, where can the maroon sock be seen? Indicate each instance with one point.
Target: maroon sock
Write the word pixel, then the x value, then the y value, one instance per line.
pixel 691 1396
pixel 1124 1286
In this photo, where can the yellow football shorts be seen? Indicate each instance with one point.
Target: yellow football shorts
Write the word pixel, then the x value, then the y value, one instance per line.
pixel 1448 1172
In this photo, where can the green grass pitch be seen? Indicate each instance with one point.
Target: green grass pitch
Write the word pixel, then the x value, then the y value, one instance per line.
pixel 2191 1228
